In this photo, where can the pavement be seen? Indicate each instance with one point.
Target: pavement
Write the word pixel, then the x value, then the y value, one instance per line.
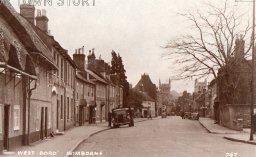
pixel 229 134
pixel 61 144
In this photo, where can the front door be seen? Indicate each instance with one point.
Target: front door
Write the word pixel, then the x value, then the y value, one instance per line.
pixel 6 126
pixel 57 120
pixel 46 121
pixel 42 124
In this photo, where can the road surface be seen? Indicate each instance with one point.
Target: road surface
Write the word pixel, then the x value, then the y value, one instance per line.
pixel 169 137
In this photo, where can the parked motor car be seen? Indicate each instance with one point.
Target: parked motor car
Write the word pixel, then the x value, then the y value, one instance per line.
pixel 172 114
pixel 195 116
pixel 122 116
pixel 187 115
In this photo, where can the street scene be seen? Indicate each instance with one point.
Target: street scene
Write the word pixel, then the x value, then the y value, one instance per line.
pixel 127 78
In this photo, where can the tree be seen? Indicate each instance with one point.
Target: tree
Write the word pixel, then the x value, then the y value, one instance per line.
pixel 211 47
pixel 114 61
pixel 185 101
pixel 120 70
pixel 117 68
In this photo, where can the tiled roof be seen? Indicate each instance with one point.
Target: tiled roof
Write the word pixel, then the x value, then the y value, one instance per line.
pixel 25 32
pixel 95 76
pixel 79 76
pixel 12 51
pixel 146 97
pixel 51 42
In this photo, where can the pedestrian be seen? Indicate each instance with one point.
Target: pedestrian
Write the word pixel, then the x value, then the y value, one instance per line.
pixel 182 114
pixel 109 118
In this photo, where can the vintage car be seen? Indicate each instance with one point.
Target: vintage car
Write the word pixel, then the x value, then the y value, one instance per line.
pixel 122 116
pixel 195 116
pixel 187 115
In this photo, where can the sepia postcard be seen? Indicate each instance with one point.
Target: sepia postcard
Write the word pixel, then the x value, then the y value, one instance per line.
pixel 127 78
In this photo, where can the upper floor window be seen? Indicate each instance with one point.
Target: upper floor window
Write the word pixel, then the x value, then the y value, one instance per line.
pixel 61 68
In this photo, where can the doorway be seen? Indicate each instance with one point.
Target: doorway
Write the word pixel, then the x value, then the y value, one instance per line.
pixel 43 123
pixel 6 126
pixel 57 120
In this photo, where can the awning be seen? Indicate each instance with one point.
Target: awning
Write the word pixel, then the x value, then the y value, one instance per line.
pixel 92 103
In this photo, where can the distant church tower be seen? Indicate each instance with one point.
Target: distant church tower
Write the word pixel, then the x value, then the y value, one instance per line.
pixel 165 88
pixel 200 86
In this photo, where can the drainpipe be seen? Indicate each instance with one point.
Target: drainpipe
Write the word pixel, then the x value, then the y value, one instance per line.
pixel 29 101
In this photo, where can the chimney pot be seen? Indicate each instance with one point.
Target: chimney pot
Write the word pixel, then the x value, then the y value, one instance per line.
pixel 42 22
pixel 39 13
pixel 43 12
pixel 83 50
pixel 28 12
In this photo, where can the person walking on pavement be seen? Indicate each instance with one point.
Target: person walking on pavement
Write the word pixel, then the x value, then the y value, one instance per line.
pixel 109 118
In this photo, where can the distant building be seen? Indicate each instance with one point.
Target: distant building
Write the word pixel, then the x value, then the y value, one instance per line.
pixel 149 91
pixel 164 97
pixel 200 86
pixel 145 85
pixel 148 106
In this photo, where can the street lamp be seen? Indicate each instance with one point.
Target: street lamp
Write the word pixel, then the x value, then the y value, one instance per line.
pixel 253 64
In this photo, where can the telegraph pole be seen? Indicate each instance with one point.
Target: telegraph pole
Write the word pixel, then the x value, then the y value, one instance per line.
pixel 253 64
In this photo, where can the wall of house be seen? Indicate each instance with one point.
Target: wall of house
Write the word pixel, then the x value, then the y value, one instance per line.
pixel 11 93
pixel 83 91
pixel 63 79
pixel 149 105
pixel 101 98
pixel 41 99
pixel 112 103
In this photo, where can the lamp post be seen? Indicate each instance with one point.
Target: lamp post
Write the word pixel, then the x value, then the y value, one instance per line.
pixel 253 66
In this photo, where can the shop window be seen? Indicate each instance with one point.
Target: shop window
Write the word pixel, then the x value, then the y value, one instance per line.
pixel 16 118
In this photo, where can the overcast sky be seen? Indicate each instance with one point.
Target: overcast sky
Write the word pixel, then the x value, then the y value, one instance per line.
pixel 136 29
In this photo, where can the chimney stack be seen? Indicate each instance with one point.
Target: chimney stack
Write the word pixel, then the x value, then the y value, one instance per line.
pixel 42 20
pixel 79 59
pixel 28 12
